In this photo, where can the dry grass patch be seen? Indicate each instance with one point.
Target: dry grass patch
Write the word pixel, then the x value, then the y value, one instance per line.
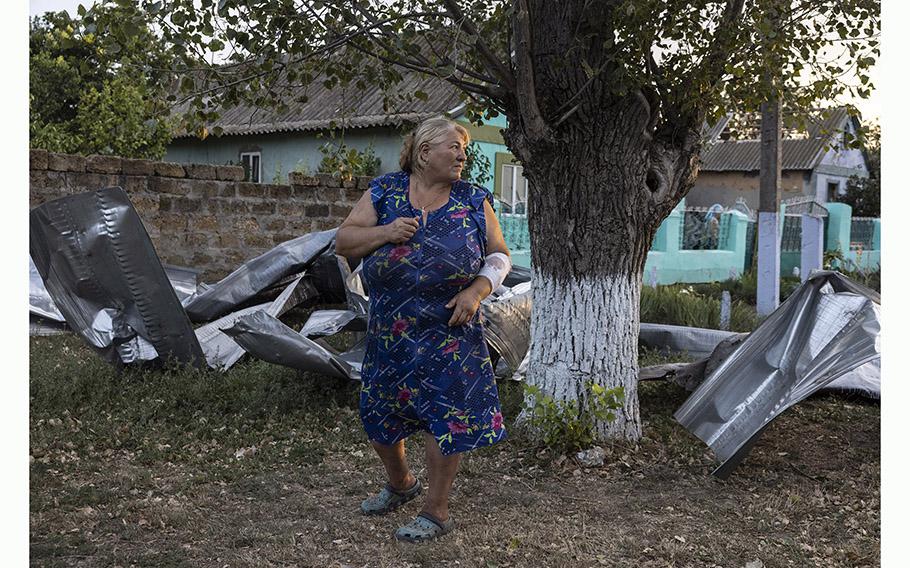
pixel 266 467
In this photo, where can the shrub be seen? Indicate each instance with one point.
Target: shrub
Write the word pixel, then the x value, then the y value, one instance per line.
pixel 344 162
pixel 569 426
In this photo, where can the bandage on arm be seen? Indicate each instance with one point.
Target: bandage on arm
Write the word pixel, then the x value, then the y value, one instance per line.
pixel 496 267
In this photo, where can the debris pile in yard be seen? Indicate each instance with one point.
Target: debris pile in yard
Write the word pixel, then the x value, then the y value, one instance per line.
pixel 94 270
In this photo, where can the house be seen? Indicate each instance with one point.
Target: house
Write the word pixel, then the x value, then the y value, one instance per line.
pixel 815 161
pixel 270 143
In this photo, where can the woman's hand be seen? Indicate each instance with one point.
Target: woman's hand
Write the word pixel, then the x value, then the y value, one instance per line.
pixel 465 304
pixel 402 229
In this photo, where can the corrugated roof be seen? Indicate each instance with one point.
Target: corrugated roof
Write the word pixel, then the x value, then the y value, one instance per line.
pixel 354 107
pixel 796 154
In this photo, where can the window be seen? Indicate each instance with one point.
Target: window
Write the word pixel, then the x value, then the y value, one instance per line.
pixel 833 191
pixel 514 190
pixel 252 166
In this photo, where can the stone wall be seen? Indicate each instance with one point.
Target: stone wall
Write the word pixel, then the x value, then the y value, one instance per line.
pixel 201 216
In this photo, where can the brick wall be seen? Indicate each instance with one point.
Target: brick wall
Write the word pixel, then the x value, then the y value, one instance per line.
pixel 200 215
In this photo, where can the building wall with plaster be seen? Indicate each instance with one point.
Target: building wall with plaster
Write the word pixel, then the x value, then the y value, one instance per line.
pixel 199 215
pixel 726 187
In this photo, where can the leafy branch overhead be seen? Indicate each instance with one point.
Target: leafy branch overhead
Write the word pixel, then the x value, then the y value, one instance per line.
pixel 680 59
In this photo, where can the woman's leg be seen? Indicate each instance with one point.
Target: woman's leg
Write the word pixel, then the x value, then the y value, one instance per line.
pixel 442 470
pixel 396 466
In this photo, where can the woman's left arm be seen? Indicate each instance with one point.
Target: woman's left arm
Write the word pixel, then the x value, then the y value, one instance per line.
pixel 467 302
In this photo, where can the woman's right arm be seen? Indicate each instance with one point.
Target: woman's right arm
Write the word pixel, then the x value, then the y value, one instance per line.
pixel 359 235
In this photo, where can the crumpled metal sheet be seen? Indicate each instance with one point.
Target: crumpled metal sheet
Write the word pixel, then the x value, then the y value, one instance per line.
pixel 696 341
pixel 327 322
pixel 221 351
pixel 256 275
pixel 507 322
pixel 825 329
pixel 39 300
pixel 40 326
pixel 354 289
pixel 517 275
pixel 40 303
pixel 325 272
pixel 265 337
pixel 865 380
pixel 182 279
pixel 100 268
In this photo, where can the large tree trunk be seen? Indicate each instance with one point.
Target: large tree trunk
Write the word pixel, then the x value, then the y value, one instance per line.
pixel 605 165
pixel 596 200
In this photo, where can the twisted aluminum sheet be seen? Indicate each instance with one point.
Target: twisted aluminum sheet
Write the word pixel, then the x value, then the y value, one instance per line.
pixel 256 275
pixel 102 272
pixel 266 338
pixel 221 352
pixel 827 328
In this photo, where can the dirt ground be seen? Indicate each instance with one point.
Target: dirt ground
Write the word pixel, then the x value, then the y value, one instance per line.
pixel 267 467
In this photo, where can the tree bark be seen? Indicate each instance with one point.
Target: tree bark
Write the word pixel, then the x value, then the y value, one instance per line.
pixel 603 172
pixel 592 216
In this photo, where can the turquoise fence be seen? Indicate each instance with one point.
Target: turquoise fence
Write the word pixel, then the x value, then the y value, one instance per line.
pixel 518 239
pixel 718 253
pixel 701 245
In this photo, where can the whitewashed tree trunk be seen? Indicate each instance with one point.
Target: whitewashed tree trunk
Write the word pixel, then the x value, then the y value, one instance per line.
pixel 603 171
pixel 587 332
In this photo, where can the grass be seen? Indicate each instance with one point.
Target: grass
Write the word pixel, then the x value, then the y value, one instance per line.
pixel 264 466
pixel 682 305
pixel 698 305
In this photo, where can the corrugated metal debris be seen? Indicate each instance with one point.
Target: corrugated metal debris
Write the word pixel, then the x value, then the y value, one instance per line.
pixel 95 268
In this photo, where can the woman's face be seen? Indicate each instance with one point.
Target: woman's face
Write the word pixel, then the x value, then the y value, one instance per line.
pixel 444 159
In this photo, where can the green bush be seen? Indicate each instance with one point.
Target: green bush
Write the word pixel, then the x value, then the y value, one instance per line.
pixel 745 288
pixel 567 426
pixel 344 162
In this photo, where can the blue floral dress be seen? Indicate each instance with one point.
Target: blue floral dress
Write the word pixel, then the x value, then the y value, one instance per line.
pixel 418 373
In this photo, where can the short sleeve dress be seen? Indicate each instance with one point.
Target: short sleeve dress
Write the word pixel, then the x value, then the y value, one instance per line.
pixel 418 372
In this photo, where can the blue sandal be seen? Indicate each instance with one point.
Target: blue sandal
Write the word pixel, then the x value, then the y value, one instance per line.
pixel 425 527
pixel 389 499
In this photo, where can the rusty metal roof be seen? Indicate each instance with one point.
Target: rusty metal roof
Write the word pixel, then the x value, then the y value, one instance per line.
pixel 352 107
pixel 796 154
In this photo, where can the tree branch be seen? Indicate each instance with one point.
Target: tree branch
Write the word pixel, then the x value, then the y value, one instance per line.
pixel 713 62
pixel 496 66
pixel 525 90
pixel 482 90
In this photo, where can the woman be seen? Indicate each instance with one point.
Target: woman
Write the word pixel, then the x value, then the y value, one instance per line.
pixel 432 249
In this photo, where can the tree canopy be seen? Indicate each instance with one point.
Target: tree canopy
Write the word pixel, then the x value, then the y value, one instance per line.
pixel 685 58
pixel 96 83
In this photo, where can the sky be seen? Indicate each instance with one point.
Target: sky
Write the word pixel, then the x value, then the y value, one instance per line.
pixel 870 108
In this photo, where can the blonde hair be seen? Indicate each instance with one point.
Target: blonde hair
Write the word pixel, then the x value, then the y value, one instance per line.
pixel 429 131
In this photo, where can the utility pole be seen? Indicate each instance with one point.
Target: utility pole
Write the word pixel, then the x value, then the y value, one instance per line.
pixel 768 293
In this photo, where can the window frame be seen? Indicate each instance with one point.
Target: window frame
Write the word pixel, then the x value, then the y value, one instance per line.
pixel 253 154
pixel 501 160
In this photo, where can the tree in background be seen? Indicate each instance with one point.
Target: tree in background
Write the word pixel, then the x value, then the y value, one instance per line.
pixel 96 83
pixel 605 103
pixel 864 195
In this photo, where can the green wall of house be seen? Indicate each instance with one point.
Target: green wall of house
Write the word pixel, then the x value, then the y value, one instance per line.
pixel 283 152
